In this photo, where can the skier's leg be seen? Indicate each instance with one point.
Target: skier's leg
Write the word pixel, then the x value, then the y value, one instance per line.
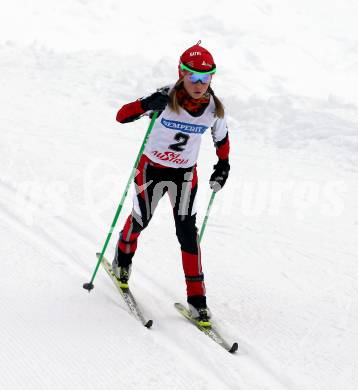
pixel 145 201
pixel 191 256
pixel 187 233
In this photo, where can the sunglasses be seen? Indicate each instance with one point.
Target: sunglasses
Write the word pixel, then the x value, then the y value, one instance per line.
pixel 197 76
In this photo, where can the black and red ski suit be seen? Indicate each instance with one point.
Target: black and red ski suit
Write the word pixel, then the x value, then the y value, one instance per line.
pixel 152 181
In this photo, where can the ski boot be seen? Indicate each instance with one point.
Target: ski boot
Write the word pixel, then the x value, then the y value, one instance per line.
pixel 122 273
pixel 199 311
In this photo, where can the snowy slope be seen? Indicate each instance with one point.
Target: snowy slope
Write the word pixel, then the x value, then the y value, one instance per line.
pixel 281 246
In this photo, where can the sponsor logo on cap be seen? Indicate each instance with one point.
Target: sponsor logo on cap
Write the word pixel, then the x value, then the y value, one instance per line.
pixel 195 53
pixel 205 64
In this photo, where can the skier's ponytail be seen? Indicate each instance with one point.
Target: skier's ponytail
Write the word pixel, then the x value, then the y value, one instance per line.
pixel 219 107
pixel 174 104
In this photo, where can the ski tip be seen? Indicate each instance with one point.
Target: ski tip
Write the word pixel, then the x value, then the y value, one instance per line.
pixel 234 348
pixel 149 324
pixel 88 286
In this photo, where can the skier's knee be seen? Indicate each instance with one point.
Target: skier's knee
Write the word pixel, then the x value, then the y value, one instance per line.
pixel 186 232
pixel 139 222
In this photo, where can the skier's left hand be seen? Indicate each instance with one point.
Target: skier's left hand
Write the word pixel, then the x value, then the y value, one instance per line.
pixel 220 175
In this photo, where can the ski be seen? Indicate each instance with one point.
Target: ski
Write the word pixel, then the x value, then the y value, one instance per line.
pixel 209 331
pixel 126 294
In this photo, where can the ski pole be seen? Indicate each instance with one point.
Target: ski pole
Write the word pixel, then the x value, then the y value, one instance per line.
pixel 89 286
pixel 207 215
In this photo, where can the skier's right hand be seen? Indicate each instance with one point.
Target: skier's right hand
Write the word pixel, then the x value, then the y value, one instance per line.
pixel 155 102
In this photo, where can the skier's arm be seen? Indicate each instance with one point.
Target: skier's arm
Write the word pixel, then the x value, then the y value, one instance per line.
pixel 222 144
pixel 221 140
pixel 130 112
pixel 223 148
pixel 133 111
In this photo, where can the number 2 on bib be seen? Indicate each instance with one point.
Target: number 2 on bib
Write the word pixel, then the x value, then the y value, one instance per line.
pixel 182 141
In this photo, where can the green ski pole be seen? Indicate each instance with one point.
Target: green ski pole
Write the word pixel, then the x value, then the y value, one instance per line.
pixel 207 215
pixel 89 286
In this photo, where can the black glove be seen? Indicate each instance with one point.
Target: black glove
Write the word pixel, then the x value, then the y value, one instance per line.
pixel 220 175
pixel 155 102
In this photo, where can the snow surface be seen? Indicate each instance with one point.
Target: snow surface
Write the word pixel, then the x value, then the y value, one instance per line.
pixel 280 250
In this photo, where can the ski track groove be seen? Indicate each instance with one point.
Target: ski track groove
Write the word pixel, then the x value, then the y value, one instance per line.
pixel 39 240
pixel 48 241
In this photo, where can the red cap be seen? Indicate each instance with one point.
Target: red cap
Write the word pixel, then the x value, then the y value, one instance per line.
pixel 197 58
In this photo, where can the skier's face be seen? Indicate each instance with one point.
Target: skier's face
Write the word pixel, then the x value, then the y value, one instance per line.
pixel 195 90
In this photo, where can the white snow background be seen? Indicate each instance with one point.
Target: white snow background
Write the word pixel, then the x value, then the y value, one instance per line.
pixel 280 250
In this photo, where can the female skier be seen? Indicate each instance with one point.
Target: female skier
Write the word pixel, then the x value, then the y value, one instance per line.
pixel 168 164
